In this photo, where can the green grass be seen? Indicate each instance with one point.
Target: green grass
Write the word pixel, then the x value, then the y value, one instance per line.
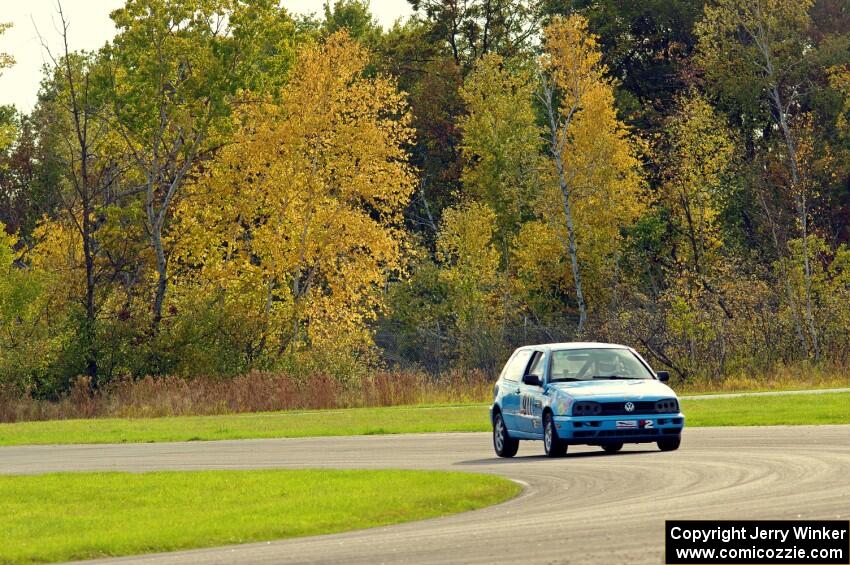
pixel 355 421
pixel 794 409
pixel 58 517
pixel 746 411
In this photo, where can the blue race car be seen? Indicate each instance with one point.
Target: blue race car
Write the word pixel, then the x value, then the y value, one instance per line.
pixel 583 393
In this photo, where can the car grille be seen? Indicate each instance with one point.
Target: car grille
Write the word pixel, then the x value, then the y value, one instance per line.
pixel 618 408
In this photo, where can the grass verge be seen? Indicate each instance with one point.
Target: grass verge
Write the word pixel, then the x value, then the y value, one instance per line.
pixel 59 517
pixel 826 408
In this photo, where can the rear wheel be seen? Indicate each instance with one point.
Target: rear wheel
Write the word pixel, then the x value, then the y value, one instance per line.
pixel 552 444
pixel 612 447
pixel 505 445
pixel 669 444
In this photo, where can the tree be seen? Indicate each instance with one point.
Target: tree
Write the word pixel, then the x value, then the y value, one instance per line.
pixel 501 143
pixel 28 342
pixel 473 28
pixel 7 128
pixel 175 68
pixel 758 52
pixel 647 46
pixel 6 60
pixel 698 151
pixel 297 224
pixel 83 147
pixel 354 17
pixel 839 77
pixel 470 272
pixel 593 155
pixel 431 78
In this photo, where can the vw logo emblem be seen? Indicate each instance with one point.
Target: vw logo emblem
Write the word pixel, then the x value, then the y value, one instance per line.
pixel 629 407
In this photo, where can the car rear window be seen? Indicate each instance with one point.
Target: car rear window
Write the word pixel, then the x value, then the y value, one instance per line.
pixel 516 366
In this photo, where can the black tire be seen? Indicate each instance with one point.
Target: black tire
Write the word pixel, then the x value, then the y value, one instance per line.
pixel 670 443
pixel 552 444
pixel 612 447
pixel 505 445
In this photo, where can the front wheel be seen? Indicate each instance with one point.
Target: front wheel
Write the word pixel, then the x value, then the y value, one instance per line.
pixel 669 444
pixel 505 445
pixel 552 444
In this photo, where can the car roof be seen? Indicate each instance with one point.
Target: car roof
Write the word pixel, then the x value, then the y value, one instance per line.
pixel 574 345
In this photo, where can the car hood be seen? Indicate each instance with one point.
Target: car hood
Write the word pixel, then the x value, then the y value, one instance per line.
pixel 615 389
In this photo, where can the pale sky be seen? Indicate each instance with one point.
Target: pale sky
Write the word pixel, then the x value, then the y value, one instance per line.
pixel 90 28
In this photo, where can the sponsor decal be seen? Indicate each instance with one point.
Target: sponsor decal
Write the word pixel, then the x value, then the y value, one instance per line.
pixel 627 424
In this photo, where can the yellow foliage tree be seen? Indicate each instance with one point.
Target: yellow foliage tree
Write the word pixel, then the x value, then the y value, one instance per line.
pixel 597 187
pixel 297 225
pixel 470 272
pixel 31 335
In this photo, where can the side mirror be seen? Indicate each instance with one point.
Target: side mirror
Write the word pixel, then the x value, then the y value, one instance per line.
pixel 663 376
pixel 532 380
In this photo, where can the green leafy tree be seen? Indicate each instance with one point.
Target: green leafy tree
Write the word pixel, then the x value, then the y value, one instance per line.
pixel 175 69
pixel 501 143
pixel 83 148
pixel 647 47
pixel 698 153
pixel 355 17
pixel 758 54
pixel 473 28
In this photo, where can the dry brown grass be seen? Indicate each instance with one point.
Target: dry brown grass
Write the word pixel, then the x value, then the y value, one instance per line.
pixel 254 392
pixel 264 392
pixel 799 376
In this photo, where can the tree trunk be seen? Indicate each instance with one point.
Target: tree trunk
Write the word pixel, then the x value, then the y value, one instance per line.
pixel 162 275
pixel 763 43
pixel 571 234
pixel 90 336
pixel 557 132
pixel 799 193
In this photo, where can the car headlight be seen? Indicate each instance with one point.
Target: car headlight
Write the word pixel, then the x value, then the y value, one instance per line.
pixel 586 408
pixel 667 406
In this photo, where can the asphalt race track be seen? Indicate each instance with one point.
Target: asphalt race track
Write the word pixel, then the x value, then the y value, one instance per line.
pixel 588 507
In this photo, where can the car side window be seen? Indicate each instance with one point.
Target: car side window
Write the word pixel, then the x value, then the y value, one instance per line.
pixel 516 367
pixel 537 365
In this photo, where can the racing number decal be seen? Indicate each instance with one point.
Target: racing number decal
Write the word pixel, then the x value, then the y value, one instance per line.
pixel 646 424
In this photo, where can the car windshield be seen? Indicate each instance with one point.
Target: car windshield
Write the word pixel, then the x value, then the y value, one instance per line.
pixel 596 363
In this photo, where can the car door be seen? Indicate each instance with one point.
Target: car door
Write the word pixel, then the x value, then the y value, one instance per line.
pixel 531 397
pixel 511 387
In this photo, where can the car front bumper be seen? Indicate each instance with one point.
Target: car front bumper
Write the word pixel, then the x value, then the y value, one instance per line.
pixel 596 430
